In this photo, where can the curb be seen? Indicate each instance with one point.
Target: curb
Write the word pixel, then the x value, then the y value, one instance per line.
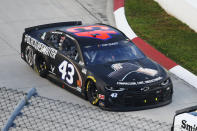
pixel 122 24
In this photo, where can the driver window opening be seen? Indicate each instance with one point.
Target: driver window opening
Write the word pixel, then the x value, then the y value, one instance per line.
pixel 62 43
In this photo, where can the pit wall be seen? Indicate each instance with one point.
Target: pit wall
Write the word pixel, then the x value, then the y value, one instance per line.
pixel 184 10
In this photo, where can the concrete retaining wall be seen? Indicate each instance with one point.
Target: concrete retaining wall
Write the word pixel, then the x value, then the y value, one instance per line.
pixel 184 10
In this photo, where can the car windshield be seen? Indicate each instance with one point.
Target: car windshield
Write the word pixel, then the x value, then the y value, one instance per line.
pixel 111 52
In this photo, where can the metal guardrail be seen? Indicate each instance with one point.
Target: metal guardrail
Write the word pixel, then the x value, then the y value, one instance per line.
pixel 47 114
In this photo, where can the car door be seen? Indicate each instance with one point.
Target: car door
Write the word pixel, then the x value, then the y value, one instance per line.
pixel 66 66
pixel 51 39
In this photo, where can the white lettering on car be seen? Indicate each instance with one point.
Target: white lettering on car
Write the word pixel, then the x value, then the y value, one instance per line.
pixel 139 82
pixel 42 48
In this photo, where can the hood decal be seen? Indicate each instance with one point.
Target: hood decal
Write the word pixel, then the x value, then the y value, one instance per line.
pixel 117 66
pixel 139 82
pixel 122 70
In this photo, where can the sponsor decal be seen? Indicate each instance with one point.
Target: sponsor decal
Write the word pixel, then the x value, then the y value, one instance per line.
pixel 78 89
pixel 108 44
pixel 84 71
pixel 101 103
pixel 102 97
pixel 52 69
pixel 42 48
pixel 114 95
pixel 127 83
pixel 117 66
pixel 56 32
pixel 140 82
pixel 96 31
pixel 147 71
pixel 122 70
pixel 79 83
pixel 146 88
pixel 81 63
pixel 188 127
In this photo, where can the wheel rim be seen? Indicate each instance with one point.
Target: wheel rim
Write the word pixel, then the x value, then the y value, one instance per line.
pixel 41 66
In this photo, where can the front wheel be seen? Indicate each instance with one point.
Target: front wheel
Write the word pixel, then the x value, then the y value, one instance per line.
pixel 92 92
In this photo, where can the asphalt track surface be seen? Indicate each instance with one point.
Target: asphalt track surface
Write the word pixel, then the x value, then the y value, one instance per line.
pixel 15 73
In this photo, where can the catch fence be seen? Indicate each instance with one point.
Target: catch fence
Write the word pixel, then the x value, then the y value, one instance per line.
pixel 43 114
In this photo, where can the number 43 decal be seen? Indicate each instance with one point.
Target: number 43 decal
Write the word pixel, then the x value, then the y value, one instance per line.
pixel 102 32
pixel 67 71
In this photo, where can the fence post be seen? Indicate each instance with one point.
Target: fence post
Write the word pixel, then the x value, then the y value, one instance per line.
pixel 18 108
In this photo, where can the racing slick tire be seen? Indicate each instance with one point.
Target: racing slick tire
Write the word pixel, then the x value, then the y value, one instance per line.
pixel 29 56
pixel 40 65
pixel 92 92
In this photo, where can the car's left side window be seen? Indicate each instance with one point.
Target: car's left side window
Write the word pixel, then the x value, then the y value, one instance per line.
pixel 63 43
pixel 51 38
pixel 54 40
pixel 71 50
pixel 45 36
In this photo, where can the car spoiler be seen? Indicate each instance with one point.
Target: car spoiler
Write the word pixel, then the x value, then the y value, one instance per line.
pixel 70 23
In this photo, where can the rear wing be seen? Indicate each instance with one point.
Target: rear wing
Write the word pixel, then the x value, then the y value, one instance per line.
pixel 70 23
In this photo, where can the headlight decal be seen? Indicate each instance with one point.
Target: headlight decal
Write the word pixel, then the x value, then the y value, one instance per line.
pixel 165 82
pixel 111 88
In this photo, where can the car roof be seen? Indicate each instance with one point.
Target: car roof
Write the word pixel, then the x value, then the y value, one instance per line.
pixel 87 35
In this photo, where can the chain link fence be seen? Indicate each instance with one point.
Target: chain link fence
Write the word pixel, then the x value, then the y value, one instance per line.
pixel 43 114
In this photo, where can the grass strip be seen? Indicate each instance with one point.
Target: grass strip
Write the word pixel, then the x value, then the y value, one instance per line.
pixel 164 32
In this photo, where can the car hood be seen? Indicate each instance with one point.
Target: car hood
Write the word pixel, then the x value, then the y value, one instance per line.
pixel 135 72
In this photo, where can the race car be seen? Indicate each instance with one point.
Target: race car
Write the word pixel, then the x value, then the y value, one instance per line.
pixel 99 62
pixel 185 120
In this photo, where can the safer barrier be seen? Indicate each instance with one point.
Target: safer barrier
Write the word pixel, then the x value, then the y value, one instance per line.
pixel 46 114
pixel 184 10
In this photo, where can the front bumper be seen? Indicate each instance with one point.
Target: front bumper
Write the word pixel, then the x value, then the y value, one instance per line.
pixel 129 100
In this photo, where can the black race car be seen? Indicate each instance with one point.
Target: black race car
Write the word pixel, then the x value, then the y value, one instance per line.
pixel 99 62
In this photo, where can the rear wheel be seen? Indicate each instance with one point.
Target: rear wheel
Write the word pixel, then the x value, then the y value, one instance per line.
pixel 92 92
pixel 29 55
pixel 40 66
